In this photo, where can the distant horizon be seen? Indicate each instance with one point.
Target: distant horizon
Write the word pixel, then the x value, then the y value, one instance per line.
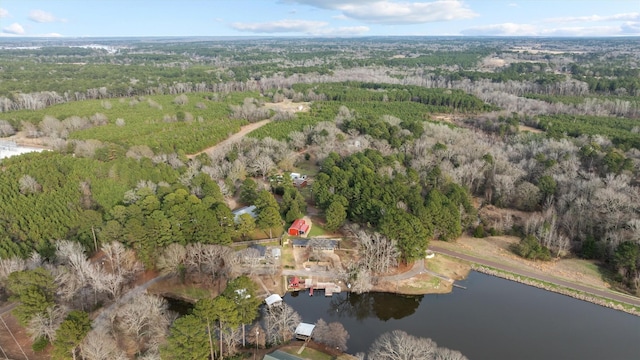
pixel 317 37
pixel 318 18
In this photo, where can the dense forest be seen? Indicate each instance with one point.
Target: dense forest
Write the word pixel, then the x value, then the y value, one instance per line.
pixel 408 138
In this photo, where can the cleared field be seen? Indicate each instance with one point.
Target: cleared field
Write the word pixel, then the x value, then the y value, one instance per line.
pixel 496 248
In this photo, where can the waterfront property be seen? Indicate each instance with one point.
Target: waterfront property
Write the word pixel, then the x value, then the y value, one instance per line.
pixel 304 331
pixel 481 322
pixel 273 300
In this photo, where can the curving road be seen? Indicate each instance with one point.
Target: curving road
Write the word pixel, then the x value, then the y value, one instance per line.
pixel 632 300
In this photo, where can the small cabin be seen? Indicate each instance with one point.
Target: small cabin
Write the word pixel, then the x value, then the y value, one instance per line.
pixel 299 227
pixel 304 331
pixel 294 283
pixel 273 300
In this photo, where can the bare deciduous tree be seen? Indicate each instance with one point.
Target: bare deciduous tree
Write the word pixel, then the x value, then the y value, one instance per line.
pixel 448 354
pixel 87 148
pixel 172 260
pixel 378 253
pixel 46 323
pixel 262 165
pixel 231 337
pixel 249 110
pixel 53 128
pixel 6 129
pixel 257 336
pixel 29 185
pixel 139 151
pixel 100 345
pixel 398 345
pixel 181 99
pixel 145 319
pixel 333 334
pixel 10 265
pixel 281 322
pixel 250 257
pixel 121 261
pixel 30 129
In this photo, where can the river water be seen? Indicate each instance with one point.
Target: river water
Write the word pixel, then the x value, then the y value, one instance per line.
pixel 493 319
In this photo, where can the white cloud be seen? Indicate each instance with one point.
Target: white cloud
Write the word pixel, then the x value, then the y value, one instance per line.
pixel 395 12
pixel 506 29
pixel 592 18
pixel 280 26
pixel 15 29
pixel 56 35
pixel 309 27
pixel 631 28
pixel 513 5
pixel 4 13
pixel 40 16
pixel 341 31
pixel 511 29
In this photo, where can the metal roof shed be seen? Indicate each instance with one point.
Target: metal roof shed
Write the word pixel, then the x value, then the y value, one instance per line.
pixel 304 330
pixel 273 299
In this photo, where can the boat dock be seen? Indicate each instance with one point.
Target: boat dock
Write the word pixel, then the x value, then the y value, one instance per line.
pixel 311 285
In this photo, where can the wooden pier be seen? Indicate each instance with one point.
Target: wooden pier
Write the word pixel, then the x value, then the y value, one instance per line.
pixel 328 287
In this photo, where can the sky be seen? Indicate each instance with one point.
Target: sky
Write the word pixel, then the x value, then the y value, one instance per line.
pixel 319 18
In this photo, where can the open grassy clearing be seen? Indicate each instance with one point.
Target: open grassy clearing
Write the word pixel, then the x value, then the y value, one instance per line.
pixel 448 266
pixel 497 248
pixel 307 353
pixel 172 287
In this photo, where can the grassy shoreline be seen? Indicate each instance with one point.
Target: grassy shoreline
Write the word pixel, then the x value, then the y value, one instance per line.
pixel 576 294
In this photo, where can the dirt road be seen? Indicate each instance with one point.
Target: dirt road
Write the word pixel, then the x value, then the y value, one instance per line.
pixel 103 317
pixel 233 138
pixel 628 299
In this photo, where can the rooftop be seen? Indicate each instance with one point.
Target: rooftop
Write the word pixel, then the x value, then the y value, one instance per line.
pixel 305 329
pixel 273 299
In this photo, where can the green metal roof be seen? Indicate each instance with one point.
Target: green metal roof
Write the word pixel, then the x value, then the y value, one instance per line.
pixel 280 355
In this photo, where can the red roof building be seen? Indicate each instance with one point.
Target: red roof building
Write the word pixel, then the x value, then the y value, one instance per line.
pixel 299 227
pixel 294 282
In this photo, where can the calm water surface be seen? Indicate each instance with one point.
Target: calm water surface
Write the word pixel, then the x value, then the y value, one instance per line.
pixel 493 319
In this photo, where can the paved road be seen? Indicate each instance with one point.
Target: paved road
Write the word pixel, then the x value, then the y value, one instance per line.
pixel 534 275
pixel 8 307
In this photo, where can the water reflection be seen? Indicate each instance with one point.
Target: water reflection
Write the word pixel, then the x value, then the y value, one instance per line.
pixel 382 306
pixel 492 319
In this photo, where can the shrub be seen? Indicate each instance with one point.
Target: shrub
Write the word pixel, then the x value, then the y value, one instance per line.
pixel 40 344
pixel 479 232
pixel 530 248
